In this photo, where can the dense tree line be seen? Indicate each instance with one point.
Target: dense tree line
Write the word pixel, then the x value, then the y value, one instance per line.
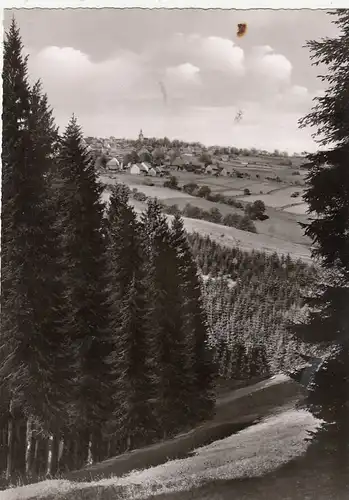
pixel 103 338
pixel 250 297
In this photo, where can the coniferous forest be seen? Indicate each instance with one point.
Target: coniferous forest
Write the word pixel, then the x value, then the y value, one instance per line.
pixel 104 338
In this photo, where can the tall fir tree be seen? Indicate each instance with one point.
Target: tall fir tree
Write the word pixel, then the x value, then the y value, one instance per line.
pixel 134 355
pixel 84 276
pixel 164 291
pixel 195 326
pixel 31 294
pixel 327 196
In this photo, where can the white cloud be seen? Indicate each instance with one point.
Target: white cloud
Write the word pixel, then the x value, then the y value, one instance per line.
pixel 206 78
pixel 223 55
pixel 184 73
pixel 265 63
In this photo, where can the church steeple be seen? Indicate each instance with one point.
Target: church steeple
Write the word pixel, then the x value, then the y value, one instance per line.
pixel 141 136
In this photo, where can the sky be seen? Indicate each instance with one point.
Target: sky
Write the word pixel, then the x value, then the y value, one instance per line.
pixel 180 73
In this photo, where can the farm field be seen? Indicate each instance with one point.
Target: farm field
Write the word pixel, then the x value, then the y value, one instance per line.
pixel 201 203
pixel 297 209
pixel 277 199
pixel 232 237
pixel 278 233
pixel 283 225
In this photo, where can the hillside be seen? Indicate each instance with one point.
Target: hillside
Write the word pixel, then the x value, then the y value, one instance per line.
pixel 223 449
pixel 232 237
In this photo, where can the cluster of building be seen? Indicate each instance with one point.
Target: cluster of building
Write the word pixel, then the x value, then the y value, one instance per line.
pixel 186 157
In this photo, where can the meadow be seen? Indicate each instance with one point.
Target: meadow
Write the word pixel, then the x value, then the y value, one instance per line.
pixel 284 212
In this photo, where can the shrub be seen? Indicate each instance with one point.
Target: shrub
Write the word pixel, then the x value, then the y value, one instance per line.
pixel 204 192
pixel 247 192
pixel 256 210
pixel 172 183
pixel 140 196
pixel 190 188
pixel 172 209
pixel 215 215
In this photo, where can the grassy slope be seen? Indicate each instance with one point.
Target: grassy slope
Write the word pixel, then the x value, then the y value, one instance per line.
pixel 232 237
pixel 235 410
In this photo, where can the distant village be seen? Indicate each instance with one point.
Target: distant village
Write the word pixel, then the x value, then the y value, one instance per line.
pixel 158 157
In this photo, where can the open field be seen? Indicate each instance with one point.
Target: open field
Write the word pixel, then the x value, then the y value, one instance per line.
pixel 203 204
pixel 232 237
pixel 280 233
pixel 276 199
pixel 297 209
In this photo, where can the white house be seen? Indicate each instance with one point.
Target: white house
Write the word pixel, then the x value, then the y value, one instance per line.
pixel 152 172
pixel 113 164
pixel 144 167
pixel 135 170
pixel 209 169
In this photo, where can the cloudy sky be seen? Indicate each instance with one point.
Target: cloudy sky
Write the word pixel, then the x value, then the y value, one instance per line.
pixel 178 73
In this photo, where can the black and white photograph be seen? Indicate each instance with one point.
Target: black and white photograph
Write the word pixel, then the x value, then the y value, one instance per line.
pixel 174 254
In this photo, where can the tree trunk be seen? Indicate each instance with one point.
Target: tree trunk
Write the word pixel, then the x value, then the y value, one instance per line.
pixel 10 448
pixel 41 457
pixel 3 448
pixel 53 468
pixel 66 462
pixel 81 449
pixel 20 445
pixel 30 451
pixel 98 447
pixel 16 446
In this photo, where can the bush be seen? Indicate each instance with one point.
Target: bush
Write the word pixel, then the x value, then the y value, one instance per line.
pixel 246 224
pixel 192 212
pixel 148 182
pixel 140 196
pixel 215 215
pixel 172 209
pixel 190 188
pixel 256 210
pixel 204 192
pixel 247 192
pixel 172 183
pixel 232 202
pixel 231 220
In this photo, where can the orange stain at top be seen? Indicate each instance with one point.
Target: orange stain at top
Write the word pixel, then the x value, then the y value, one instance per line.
pixel 242 29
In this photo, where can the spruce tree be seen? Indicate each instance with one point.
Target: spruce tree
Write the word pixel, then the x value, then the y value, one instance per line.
pixel 327 196
pixel 165 294
pixel 84 276
pixel 31 294
pixel 133 358
pixel 195 327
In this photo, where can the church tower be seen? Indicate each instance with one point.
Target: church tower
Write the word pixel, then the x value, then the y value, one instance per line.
pixel 141 136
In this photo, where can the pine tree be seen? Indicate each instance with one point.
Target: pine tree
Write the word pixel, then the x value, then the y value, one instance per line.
pixel 167 320
pixel 31 295
pixel 327 195
pixel 84 276
pixel 195 326
pixel 327 191
pixel 134 354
